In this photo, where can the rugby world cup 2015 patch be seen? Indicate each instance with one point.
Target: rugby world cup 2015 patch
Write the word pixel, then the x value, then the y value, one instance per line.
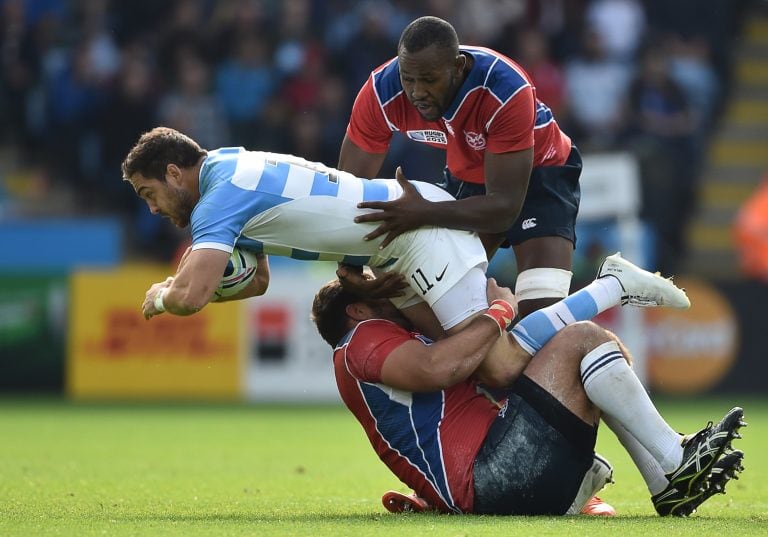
pixel 428 136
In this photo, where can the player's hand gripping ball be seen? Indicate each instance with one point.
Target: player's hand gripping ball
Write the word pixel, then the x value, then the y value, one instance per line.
pixel 240 270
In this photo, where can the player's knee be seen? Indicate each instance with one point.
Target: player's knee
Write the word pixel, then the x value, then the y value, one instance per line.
pixel 623 348
pixel 499 375
pixel 503 365
pixel 585 335
pixel 585 330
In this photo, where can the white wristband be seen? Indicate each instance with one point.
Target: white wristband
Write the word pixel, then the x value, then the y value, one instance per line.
pixel 159 306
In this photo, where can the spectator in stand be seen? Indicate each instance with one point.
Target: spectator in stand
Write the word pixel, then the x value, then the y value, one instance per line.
pixel 548 77
pixel 76 96
pixel 485 21
pixel 101 49
pixel 662 128
pixel 133 106
pixel 302 88
pixel 244 83
pixel 690 65
pixel 368 45
pixel 596 89
pixel 19 71
pixel 190 106
pixel 620 25
pixel 305 134
pixel 332 106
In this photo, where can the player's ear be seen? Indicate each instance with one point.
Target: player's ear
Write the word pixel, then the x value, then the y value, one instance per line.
pixel 358 311
pixel 173 174
pixel 460 62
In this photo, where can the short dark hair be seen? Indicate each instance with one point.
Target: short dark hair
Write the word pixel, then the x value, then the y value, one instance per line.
pixel 329 311
pixel 427 31
pixel 158 148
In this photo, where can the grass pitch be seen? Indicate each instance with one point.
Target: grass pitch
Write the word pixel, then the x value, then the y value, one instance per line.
pixel 186 470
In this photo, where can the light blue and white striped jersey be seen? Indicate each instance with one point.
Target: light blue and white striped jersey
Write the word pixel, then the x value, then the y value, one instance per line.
pixel 285 205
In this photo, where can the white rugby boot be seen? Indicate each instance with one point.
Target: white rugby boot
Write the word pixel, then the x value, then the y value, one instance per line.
pixel 641 288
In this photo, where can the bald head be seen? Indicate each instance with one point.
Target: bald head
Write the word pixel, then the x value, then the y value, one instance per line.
pixel 427 31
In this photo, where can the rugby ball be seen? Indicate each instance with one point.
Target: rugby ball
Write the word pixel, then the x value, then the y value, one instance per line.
pixel 239 272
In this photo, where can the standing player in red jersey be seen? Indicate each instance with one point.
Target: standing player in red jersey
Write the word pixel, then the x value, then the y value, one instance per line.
pixel 514 173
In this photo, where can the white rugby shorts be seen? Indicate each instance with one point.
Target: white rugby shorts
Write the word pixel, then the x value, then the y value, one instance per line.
pixel 434 261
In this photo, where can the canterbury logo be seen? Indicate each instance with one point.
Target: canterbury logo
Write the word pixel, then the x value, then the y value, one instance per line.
pixel 528 223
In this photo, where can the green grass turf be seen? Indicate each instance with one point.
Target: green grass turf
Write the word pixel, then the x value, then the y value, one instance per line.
pixel 186 470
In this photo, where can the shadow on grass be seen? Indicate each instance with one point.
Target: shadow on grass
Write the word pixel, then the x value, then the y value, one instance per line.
pixel 388 518
pixel 313 518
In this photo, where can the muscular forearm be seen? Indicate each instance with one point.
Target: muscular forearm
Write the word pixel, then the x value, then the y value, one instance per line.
pixel 416 367
pixel 191 288
pixel 483 214
pixel 178 302
pixel 456 358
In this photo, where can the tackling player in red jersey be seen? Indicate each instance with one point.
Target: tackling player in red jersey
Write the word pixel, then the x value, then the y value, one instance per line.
pixel 531 450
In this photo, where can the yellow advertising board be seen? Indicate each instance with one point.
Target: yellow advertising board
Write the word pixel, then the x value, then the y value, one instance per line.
pixel 113 352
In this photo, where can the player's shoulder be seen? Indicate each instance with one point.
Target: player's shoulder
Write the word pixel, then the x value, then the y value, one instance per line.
pixel 219 165
pixel 385 81
pixel 368 334
pixel 496 72
pixel 370 342
pixel 486 58
pixel 223 155
pixel 371 327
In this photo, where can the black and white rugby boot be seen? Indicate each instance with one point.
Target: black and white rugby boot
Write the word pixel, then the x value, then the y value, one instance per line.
pixel 672 502
pixel 701 450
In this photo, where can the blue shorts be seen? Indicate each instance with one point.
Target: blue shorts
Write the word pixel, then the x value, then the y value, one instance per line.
pixel 550 205
pixel 534 457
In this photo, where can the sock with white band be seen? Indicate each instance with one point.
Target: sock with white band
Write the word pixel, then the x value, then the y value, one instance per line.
pixel 615 389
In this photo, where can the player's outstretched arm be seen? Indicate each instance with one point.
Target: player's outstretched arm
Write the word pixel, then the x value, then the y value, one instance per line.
pixel 416 367
pixel 192 287
pixel 506 183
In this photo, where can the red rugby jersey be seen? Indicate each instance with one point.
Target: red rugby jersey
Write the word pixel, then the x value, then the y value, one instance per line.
pixel 429 440
pixel 495 110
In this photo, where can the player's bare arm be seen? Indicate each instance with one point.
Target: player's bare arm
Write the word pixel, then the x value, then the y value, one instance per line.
pixel 192 288
pixel 506 181
pixel 359 162
pixel 194 285
pixel 416 367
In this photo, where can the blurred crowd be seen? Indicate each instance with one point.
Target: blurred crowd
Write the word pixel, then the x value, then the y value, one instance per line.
pixel 81 79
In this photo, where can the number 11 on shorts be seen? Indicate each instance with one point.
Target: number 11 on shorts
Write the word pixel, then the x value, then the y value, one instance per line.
pixel 421 279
